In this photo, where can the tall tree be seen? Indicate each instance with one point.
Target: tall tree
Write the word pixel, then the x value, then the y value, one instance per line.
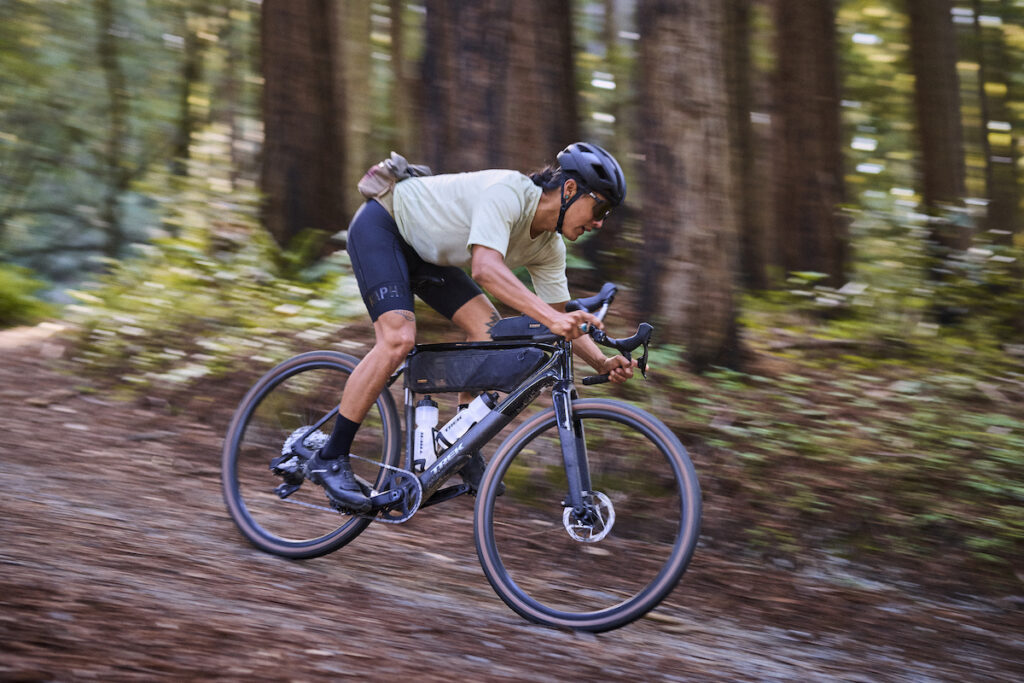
pixel 115 162
pixel 933 58
pixel 403 98
pixel 353 103
pixel 191 73
pixel 999 126
pixel 689 223
pixel 812 233
pixel 498 80
pixel 301 165
pixel 754 260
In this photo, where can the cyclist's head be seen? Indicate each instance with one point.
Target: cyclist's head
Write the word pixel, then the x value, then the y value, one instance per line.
pixel 593 170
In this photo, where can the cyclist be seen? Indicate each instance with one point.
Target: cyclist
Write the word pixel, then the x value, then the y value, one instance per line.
pixel 490 221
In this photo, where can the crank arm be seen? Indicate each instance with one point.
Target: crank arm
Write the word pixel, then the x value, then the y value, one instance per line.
pixel 386 498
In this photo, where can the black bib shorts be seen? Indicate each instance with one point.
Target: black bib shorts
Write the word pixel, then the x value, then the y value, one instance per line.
pixel 389 271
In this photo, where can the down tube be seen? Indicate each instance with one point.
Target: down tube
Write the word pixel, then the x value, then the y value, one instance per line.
pixel 478 435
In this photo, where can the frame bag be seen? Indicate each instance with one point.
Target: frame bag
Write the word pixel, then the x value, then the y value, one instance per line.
pixel 435 372
pixel 517 328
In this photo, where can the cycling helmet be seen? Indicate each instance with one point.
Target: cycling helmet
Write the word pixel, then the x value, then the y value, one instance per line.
pixel 596 169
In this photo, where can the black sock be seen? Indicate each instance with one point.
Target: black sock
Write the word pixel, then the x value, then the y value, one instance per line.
pixel 341 439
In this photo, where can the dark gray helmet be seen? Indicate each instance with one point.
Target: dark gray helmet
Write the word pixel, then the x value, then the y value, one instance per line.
pixel 596 168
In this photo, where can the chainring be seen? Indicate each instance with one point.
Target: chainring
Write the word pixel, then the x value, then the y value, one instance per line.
pixel 406 507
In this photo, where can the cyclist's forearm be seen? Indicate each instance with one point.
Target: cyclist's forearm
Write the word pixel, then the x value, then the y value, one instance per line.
pixel 590 352
pixel 498 280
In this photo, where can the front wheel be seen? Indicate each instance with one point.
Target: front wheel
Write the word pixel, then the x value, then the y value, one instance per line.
pixel 605 568
pixel 283 406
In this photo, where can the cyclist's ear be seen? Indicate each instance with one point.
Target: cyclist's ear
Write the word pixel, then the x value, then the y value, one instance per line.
pixel 569 188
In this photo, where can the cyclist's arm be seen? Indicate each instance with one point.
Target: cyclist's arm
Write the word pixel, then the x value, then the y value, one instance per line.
pixel 491 273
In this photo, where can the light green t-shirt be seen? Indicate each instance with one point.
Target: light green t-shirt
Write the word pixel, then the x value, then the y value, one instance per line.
pixel 443 216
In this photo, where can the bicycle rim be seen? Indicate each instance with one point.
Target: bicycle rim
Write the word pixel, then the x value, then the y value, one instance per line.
pixel 296 394
pixel 646 490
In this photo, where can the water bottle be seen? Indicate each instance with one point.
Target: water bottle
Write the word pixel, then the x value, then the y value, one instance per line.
pixel 464 419
pixel 424 454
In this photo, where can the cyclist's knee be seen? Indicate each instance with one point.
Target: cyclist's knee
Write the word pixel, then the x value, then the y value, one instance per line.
pixel 396 334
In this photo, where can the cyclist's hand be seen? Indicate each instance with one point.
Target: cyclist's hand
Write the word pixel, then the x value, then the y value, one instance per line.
pixel 569 325
pixel 618 368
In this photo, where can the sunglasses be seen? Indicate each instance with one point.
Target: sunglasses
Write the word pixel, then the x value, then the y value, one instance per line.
pixel 602 207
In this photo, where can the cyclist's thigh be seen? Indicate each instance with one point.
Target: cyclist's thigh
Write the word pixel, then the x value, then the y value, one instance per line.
pixel 476 318
pixel 380 261
pixel 457 289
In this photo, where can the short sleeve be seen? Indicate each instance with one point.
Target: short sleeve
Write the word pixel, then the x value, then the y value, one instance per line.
pixel 493 217
pixel 548 275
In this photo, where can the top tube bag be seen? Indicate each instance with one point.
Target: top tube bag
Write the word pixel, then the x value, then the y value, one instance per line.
pixel 440 371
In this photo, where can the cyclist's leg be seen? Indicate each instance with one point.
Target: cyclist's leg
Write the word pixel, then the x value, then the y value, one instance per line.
pixel 476 318
pixel 382 272
pixel 380 261
pixel 396 334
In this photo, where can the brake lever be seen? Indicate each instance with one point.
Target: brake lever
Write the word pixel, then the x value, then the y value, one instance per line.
pixel 645 331
pixel 626 346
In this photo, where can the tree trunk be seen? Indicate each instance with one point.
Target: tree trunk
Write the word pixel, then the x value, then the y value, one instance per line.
pixel 191 72
pixel 230 110
pixel 1001 143
pixel 403 93
pixel 937 97
pixel 499 87
pixel 540 105
pixel 812 233
pixel 352 75
pixel 301 165
pixel 118 175
pixel 753 247
pixel 689 223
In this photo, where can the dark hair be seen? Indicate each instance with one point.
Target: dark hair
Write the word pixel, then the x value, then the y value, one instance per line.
pixel 550 178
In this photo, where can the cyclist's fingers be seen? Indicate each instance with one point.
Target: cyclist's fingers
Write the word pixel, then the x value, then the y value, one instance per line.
pixel 589 319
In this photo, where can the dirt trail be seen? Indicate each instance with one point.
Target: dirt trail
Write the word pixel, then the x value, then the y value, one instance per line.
pixel 119 562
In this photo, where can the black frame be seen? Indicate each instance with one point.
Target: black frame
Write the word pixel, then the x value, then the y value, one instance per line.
pixel 557 372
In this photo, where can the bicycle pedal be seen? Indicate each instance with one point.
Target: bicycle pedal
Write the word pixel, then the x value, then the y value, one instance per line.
pixel 285 490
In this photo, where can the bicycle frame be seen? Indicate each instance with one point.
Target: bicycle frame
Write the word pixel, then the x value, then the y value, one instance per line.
pixel 557 372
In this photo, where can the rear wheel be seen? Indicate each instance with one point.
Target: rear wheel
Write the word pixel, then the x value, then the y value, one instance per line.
pixel 602 567
pixel 278 410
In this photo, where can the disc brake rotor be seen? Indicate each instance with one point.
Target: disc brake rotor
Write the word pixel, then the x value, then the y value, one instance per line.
pixel 596 522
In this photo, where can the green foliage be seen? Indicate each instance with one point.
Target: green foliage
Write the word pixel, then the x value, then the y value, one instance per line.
pixel 861 431
pixel 64 201
pixel 206 299
pixel 19 302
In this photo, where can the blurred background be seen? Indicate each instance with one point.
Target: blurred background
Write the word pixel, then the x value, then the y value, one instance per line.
pixel 824 221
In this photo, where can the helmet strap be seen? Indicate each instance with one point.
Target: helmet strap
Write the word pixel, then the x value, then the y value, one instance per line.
pixel 566 203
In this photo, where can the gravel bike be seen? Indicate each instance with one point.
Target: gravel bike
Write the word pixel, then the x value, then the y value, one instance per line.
pixel 586 516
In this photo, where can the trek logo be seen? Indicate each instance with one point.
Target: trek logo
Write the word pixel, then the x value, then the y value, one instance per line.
pixel 455 452
pixel 381 293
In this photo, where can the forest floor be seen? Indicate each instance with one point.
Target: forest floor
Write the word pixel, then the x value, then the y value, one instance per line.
pixel 119 562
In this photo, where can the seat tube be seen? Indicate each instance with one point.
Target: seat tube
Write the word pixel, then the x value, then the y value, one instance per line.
pixel 410 426
pixel 574 450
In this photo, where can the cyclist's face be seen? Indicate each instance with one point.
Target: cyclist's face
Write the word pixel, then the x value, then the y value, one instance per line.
pixel 585 214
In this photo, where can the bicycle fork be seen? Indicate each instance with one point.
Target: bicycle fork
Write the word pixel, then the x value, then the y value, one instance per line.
pixel 574 448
